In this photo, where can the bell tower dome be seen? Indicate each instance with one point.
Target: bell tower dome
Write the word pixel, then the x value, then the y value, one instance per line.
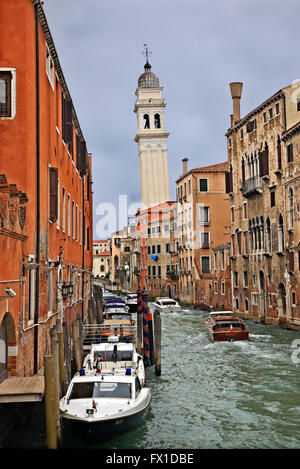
pixel 151 138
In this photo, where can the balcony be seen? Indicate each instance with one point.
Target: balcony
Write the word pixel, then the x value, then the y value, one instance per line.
pixel 252 186
pixel 172 274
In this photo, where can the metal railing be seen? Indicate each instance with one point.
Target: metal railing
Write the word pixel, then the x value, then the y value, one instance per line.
pixel 253 184
pixel 92 333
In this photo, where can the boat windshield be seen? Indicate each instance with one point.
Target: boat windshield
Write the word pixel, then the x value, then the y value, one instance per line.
pixel 110 355
pixel 226 325
pixel 167 302
pixel 86 390
pixel 120 316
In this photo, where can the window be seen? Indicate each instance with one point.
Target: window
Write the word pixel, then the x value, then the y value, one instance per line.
pixel 167 247
pixel 246 304
pixel 7 93
pixel 223 287
pixel 216 287
pixel 291 208
pixel 229 142
pixel 49 67
pixel 74 221
pixel 67 122
pixel 154 270
pixel 251 126
pixel 264 117
pixel 158 249
pixel 203 185
pixel 69 215
pixel 232 214
pixel 146 121
pixel 157 121
pixel 245 278
pixel 204 240
pixel 245 215
pixel 272 196
pixel 236 279
pixel 149 249
pixel 298 104
pixel 294 300
pixel 159 270
pixel 242 134
pixel 76 226
pixel 205 264
pixel 280 234
pixel 153 249
pixel 289 153
pixel 254 298
pixel 64 209
pixel 53 184
pixel 149 270
pixel 277 109
pixel 271 113
pixel 204 215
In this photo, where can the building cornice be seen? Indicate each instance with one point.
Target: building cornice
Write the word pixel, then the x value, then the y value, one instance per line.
pixel 54 55
pixel 258 109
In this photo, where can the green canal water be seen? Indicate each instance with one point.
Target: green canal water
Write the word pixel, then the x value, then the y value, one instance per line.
pixel 222 395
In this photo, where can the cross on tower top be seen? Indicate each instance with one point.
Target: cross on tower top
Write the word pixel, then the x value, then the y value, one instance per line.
pixel 147 52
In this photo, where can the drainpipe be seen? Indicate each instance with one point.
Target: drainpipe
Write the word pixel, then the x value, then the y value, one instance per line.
pixel 36 313
pixel 83 243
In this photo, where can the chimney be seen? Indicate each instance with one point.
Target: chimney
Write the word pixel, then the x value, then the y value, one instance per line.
pixel 236 93
pixel 184 165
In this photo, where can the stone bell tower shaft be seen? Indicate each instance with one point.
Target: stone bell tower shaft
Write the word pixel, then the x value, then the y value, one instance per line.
pixel 151 138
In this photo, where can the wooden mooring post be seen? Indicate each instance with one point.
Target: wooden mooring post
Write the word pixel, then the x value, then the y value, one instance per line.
pixel 145 328
pixel 139 334
pixel 76 344
pixel 157 342
pixel 53 435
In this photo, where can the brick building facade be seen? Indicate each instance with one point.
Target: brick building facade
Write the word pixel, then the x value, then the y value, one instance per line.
pixel 263 157
pixel 44 154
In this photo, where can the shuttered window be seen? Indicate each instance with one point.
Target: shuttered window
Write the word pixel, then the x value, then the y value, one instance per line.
pixel 202 185
pixel 264 162
pixel 53 194
pixel 67 122
pixel 81 156
pixel 289 153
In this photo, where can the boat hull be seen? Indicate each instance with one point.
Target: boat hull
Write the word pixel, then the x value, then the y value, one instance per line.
pixel 98 431
pixel 226 335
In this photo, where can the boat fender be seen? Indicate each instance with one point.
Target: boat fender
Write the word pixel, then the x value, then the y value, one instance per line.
pixel 128 371
pixel 82 372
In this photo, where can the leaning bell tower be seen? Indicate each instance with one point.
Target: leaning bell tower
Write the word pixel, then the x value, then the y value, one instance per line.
pixel 151 138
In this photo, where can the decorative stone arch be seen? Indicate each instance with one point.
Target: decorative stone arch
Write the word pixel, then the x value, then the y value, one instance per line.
pixel 8 347
pixel 157 121
pixel 169 290
pixel 281 299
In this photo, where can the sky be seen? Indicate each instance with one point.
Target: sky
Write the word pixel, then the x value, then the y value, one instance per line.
pixel 197 48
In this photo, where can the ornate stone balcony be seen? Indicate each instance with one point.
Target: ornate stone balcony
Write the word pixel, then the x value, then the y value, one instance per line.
pixel 251 186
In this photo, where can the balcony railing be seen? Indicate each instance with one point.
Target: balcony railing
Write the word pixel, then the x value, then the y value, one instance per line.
pixel 252 185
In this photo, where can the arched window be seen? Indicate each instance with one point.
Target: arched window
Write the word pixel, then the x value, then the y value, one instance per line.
pixel 262 233
pixel 146 121
pixel 280 234
pixel 157 121
pixel 268 236
pixel 279 165
pixel 243 170
pixel 291 207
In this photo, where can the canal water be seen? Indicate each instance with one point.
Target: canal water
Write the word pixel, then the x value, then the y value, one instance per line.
pixel 209 395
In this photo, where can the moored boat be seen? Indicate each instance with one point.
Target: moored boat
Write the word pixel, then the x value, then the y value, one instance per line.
pixel 98 406
pixel 166 304
pixel 226 326
pixel 131 302
pixel 114 357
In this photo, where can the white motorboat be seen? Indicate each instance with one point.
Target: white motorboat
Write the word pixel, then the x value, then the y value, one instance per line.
pixel 131 302
pixel 98 406
pixel 166 304
pixel 114 357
